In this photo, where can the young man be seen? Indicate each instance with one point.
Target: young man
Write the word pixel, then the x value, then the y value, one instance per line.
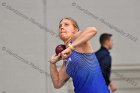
pixel 104 58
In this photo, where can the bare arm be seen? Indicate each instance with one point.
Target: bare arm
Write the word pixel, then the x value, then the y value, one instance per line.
pixel 58 77
pixel 83 36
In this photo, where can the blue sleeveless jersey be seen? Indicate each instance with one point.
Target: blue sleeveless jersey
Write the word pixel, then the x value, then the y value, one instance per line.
pixel 85 72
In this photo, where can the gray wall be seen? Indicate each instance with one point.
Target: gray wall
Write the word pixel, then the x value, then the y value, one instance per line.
pixel 23 48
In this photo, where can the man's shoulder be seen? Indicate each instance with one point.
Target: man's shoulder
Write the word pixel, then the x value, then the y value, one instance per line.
pixel 101 52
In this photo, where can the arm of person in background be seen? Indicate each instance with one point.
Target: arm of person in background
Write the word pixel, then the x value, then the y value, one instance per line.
pixel 106 69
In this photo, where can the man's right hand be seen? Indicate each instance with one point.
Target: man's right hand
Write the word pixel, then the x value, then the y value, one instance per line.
pixel 113 87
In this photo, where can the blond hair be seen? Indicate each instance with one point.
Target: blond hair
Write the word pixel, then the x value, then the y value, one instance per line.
pixel 73 22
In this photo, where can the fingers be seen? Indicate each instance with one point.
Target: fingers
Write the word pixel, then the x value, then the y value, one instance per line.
pixel 56 57
pixel 59 54
pixel 59 57
pixel 63 55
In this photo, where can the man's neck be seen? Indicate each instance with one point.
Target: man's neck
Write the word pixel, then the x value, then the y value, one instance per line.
pixel 105 46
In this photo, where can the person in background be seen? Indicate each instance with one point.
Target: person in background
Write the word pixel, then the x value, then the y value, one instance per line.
pixel 104 58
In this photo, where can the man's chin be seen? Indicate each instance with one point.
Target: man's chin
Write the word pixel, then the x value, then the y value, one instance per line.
pixel 110 48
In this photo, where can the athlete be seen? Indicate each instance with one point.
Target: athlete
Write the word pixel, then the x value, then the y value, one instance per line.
pixel 79 60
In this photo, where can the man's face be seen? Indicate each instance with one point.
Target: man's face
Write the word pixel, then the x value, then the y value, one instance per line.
pixel 109 43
